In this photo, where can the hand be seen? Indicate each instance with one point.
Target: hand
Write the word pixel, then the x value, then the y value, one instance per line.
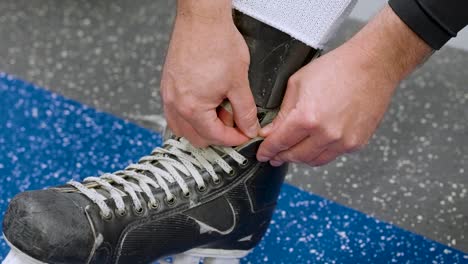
pixel 208 62
pixel 334 104
pixel 331 107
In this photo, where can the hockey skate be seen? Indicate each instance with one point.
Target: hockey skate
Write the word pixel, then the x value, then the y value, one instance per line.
pixel 214 203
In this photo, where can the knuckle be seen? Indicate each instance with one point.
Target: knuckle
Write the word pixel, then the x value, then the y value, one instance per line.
pixel 286 156
pixel 250 115
pixel 293 81
pixel 186 111
pixel 309 121
pixel 167 97
pixel 187 108
pixel 353 144
pixel 333 135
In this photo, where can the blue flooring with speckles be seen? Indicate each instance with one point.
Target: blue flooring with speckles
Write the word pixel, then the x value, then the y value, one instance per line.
pixel 46 140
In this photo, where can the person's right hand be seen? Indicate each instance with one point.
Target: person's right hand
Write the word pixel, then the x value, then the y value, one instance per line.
pixel 208 62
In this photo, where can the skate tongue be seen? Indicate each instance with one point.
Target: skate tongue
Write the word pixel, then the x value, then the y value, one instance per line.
pixel 266 116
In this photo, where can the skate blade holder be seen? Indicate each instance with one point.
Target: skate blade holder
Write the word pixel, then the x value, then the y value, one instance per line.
pixel 210 256
pixel 194 256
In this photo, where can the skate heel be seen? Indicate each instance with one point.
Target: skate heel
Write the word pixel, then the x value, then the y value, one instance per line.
pixel 18 257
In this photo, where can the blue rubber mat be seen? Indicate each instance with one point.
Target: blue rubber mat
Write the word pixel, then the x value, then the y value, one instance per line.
pixel 46 140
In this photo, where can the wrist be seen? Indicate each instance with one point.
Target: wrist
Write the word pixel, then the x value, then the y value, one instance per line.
pixel 204 11
pixel 388 46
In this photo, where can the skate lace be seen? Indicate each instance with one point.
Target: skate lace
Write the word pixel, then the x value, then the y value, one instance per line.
pixel 178 156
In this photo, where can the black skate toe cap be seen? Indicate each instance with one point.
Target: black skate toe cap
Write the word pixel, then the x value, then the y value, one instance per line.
pixel 48 226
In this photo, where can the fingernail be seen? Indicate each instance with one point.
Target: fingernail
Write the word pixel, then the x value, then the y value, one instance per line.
pixel 276 163
pixel 253 131
pixel 262 158
pixel 266 130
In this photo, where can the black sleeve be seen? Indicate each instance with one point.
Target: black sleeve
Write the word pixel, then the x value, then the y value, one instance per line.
pixel 435 21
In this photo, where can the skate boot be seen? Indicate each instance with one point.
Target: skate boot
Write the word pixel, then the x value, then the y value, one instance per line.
pixel 182 201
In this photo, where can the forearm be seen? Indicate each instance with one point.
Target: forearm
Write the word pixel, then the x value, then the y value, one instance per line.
pixel 388 46
pixel 205 11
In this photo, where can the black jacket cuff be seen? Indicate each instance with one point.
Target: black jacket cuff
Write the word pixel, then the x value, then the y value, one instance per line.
pixel 411 13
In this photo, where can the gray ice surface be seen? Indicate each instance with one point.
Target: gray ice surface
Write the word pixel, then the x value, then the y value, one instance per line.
pixel 109 54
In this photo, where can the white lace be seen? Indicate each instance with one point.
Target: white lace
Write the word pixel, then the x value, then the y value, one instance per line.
pixel 174 159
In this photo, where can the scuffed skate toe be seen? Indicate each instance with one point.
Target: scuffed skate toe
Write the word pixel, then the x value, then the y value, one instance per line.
pixel 49 227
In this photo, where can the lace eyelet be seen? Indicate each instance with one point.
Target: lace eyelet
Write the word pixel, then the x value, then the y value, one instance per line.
pixel 106 217
pixel 154 206
pixel 139 211
pixel 170 202
pixel 202 189
pixel 244 164
pixel 232 173
pixel 121 212
pixel 186 195
pixel 216 181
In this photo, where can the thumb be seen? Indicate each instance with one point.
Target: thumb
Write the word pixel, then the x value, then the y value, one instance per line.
pixel 289 103
pixel 225 114
pixel 244 110
pixel 279 119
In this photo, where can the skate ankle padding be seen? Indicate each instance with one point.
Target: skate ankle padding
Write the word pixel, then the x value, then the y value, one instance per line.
pixel 274 57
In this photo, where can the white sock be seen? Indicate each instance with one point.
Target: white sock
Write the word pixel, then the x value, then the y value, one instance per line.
pixel 310 21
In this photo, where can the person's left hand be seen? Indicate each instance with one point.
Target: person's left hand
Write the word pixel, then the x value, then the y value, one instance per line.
pixel 332 106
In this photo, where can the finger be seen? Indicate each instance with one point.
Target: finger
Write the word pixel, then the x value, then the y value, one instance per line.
pixel 288 104
pixel 324 158
pixel 244 109
pixel 287 134
pixel 226 117
pixel 276 163
pixel 172 123
pixel 182 128
pixel 215 132
pixel 303 152
pixel 330 154
pixel 192 135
